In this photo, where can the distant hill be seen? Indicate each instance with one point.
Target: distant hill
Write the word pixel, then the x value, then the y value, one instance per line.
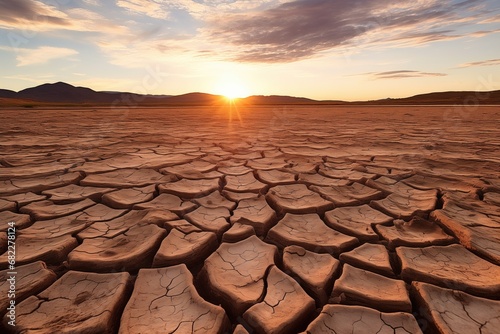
pixel 190 98
pixel 9 94
pixel 61 93
pixel 444 98
pixel 276 99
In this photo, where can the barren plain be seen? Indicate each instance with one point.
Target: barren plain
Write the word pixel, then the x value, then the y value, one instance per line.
pixel 227 219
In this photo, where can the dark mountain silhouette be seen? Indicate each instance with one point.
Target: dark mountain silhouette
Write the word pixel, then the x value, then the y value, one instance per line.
pixel 276 99
pixel 61 93
pixel 444 98
pixel 191 98
pixel 10 94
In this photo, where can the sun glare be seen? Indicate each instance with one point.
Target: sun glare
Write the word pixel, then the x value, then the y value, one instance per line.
pixel 232 89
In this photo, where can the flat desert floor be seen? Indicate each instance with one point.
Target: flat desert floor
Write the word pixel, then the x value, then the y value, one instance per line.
pixel 232 219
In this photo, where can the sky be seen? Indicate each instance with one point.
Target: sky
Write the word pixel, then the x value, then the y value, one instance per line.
pixel 320 49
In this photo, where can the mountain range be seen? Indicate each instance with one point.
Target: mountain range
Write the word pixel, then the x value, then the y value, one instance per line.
pixel 63 94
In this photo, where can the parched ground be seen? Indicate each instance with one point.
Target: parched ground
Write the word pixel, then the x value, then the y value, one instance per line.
pixel 252 220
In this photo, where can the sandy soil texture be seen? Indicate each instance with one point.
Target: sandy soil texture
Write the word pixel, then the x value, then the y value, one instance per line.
pixel 279 219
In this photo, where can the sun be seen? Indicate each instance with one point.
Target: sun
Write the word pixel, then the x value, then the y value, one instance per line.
pixel 232 89
pixel 232 93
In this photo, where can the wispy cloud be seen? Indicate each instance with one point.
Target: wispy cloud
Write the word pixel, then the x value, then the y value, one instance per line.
pixel 34 17
pixel 304 28
pixel 205 9
pixel 493 19
pixel 23 13
pixel 489 62
pixel 42 55
pixel 150 8
pixel 92 2
pixel 400 74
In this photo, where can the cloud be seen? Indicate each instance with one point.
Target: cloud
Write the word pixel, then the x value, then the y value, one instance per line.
pixel 400 74
pixel 28 12
pixel 491 19
pixel 147 7
pixel 42 55
pixel 303 28
pixel 490 62
pixel 34 17
pixel 203 9
pixel 92 2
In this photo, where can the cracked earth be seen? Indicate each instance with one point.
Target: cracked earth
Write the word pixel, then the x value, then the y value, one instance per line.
pixel 270 220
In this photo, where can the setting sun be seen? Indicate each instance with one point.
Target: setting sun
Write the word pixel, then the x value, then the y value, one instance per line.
pixel 232 88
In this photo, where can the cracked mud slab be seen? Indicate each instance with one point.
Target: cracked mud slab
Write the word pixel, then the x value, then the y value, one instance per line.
pixel 371 257
pixel 476 231
pixel 188 248
pixel 450 266
pixel 194 170
pixel 139 160
pixel 348 174
pixel 22 220
pixel 356 221
pixel 129 251
pixel 126 178
pixel 452 311
pixel 315 271
pixel 190 188
pixel 234 170
pixel 236 197
pixel 243 183
pixel 165 300
pixel 40 248
pixel 238 232
pixel 213 220
pixel 30 279
pixel 275 177
pixel 266 164
pixel 75 193
pixel 285 307
pixel 427 182
pixel 126 198
pixel 470 202
pixel 44 210
pixel 119 225
pixel 298 199
pixel 416 233
pixel 215 200
pixel 359 319
pixel 256 213
pixel 235 273
pixel 24 198
pixel 17 186
pixel 310 232
pixel 389 185
pixel 320 180
pixel 76 303
pixel 68 225
pixel 405 207
pixel 362 287
pixel 182 225
pixel 7 205
pixel 30 171
pixel 167 202
pixel 354 194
